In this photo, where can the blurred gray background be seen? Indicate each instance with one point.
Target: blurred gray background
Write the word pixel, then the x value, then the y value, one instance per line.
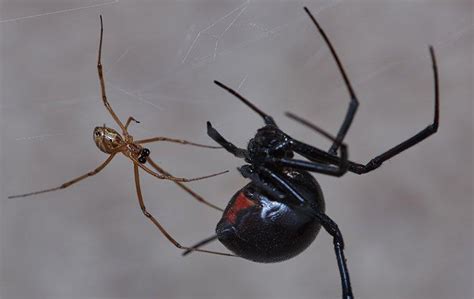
pixel 408 225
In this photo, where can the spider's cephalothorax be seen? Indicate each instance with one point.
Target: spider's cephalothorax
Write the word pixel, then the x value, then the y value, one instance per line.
pixel 279 213
pixel 269 141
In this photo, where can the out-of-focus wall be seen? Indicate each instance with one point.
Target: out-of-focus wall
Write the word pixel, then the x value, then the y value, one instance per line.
pixel 408 225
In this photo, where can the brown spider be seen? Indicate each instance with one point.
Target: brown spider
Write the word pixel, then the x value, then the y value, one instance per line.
pixel 112 142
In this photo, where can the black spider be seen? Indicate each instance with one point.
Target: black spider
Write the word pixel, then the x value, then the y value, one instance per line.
pixel 280 212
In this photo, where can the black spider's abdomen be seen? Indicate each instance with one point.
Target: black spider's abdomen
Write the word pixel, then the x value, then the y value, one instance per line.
pixel 266 230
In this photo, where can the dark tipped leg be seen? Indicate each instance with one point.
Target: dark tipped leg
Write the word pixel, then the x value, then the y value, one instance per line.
pixel 158 224
pixel 248 172
pixel 199 245
pixel 333 170
pixel 331 227
pixel 317 155
pixel 423 134
pixel 129 120
pixel 238 152
pixel 183 186
pixel 102 82
pixel 266 118
pixel 353 104
pixel 71 182
pixel 319 160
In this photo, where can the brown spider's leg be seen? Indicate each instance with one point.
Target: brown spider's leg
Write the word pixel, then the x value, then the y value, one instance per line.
pixel 170 177
pixel 157 224
pixel 200 244
pixel 180 141
pixel 129 120
pixel 183 186
pixel 67 184
pixel 102 82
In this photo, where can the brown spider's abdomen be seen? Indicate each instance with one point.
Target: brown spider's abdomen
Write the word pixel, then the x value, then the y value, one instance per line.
pixel 107 139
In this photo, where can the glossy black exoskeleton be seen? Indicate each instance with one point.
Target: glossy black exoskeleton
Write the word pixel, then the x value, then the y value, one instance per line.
pixel 283 231
pixel 280 212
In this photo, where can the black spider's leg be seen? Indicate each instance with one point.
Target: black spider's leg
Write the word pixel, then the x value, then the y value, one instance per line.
pixel 340 168
pixel 199 245
pixel 329 225
pixel 248 172
pixel 353 104
pixel 280 182
pixel 319 159
pixel 312 166
pixel 310 152
pixel 238 152
pixel 318 155
pixel 266 118
pixel 423 134
pixel 313 153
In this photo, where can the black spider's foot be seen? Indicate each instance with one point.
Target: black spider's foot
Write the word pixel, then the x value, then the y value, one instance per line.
pixel 211 131
pixel 246 171
pixel 373 164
